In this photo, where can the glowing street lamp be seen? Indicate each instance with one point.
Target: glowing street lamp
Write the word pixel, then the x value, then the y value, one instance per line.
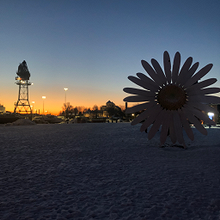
pixel 43 97
pixel 65 89
pixel 33 102
pixel 211 115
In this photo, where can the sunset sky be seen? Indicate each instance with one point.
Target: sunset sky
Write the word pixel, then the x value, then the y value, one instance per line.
pixel 91 46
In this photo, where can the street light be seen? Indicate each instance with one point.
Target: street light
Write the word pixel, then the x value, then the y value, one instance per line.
pixel 65 89
pixel 211 115
pixel 43 97
pixel 33 102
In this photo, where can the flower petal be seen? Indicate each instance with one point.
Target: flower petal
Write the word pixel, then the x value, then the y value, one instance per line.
pixel 199 75
pixel 138 108
pixel 167 66
pixel 138 98
pixel 184 70
pixel 202 107
pixel 178 127
pixel 195 121
pixel 189 74
pixel 202 84
pixel 156 124
pixel 172 130
pixel 151 72
pixel 176 66
pixel 150 83
pixel 211 90
pixel 165 126
pixel 139 82
pixel 152 107
pixel 158 70
pixel 205 99
pixel 152 117
pixel 199 114
pixel 186 125
pixel 139 92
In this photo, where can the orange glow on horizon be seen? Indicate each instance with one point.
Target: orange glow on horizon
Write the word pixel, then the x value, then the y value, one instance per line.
pixel 53 105
pixel 85 96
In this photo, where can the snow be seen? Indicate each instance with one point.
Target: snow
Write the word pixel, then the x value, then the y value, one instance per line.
pixel 21 122
pixel 106 171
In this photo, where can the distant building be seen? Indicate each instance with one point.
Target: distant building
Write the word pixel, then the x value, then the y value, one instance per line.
pixel 2 109
pixel 87 113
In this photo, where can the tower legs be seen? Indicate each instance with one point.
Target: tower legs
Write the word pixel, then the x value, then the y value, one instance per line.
pixel 23 105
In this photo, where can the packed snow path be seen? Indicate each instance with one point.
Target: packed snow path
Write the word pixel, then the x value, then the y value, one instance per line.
pixel 106 171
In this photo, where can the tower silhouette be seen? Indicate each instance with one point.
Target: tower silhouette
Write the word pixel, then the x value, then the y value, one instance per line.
pixel 23 105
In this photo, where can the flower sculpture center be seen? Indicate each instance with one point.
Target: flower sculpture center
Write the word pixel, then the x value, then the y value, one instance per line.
pixel 171 97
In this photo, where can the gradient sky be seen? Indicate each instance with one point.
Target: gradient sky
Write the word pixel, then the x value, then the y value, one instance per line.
pixel 91 46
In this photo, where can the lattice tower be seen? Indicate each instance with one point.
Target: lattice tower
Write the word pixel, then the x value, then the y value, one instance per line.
pixel 23 104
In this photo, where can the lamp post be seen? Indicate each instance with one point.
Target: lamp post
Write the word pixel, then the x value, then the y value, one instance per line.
pixel 33 102
pixel 43 97
pixel 65 89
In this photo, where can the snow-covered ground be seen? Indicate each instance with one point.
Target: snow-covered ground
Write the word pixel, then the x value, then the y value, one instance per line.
pixel 106 171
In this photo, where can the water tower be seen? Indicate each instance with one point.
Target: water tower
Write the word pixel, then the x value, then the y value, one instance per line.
pixel 23 105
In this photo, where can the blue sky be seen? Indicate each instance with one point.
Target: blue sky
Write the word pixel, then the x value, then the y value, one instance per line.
pixel 91 46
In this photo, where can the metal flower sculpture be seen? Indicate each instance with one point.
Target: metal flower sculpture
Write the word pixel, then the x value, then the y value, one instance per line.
pixel 172 100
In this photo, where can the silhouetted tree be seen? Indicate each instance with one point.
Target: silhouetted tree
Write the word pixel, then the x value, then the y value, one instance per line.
pixel 75 111
pixel 80 109
pixel 67 110
pixel 23 71
pixel 85 110
pixel 110 108
pixel 95 111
